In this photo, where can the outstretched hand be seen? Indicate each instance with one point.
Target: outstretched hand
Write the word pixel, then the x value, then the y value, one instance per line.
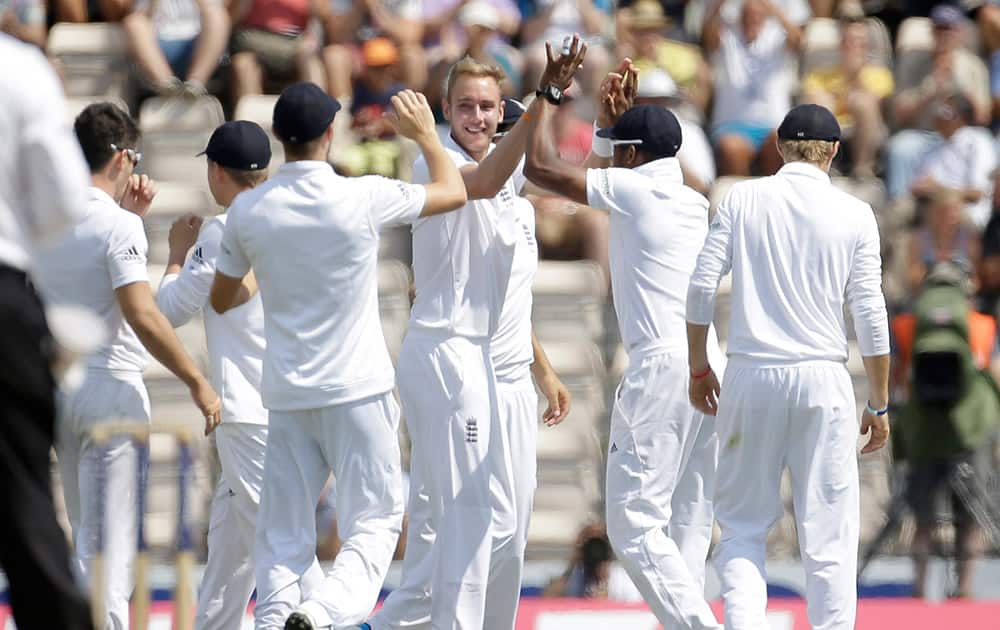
pixel 617 93
pixel 559 71
pixel 411 116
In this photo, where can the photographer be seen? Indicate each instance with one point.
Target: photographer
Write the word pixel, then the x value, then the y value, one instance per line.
pixel 944 350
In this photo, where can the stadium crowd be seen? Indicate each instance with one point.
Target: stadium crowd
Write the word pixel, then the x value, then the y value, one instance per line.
pixel 915 86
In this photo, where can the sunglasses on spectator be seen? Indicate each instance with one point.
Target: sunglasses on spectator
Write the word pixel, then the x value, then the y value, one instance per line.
pixel 132 154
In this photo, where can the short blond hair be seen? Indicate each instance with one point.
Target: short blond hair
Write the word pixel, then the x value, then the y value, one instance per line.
pixel 246 179
pixel 812 151
pixel 469 67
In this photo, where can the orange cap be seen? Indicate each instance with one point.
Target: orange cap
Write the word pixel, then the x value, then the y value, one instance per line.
pixel 379 52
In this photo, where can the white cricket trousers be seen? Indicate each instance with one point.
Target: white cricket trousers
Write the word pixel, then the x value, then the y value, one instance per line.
pixel 661 476
pixel 803 417
pixel 104 395
pixel 513 490
pixel 357 441
pixel 229 572
pixel 448 391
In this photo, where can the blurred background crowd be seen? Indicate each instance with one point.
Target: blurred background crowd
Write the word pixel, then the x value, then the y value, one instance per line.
pixel 915 85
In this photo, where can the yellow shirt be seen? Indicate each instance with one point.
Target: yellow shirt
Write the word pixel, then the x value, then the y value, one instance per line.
pixel 681 61
pixel 874 79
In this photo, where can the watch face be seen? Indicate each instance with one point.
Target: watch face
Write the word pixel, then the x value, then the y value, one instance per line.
pixel 555 92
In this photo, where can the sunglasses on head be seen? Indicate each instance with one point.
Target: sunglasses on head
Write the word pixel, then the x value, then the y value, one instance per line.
pixel 132 154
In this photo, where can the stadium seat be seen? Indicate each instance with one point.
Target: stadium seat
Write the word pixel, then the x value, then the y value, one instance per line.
pixel 580 365
pixel 174 131
pixel 719 190
pixel 93 58
pixel 259 108
pixel 76 104
pixel 915 33
pixel 569 298
pixel 576 439
pixel 173 200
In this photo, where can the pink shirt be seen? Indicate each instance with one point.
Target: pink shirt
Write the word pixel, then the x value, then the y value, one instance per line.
pixel 288 17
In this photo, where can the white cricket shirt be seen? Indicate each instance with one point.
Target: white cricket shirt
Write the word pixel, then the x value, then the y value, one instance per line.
pixel 106 250
pixel 511 349
pixel 798 247
pixel 311 237
pixel 658 226
pixel 235 339
pixel 462 260
pixel 43 176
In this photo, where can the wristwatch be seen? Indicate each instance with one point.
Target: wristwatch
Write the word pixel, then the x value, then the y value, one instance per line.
pixel 551 93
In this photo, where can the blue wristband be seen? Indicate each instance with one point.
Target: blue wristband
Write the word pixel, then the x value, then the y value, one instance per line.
pixel 876 412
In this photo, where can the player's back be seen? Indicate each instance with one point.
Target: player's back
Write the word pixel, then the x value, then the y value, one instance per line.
pixel 313 243
pixel 795 240
pixel 104 251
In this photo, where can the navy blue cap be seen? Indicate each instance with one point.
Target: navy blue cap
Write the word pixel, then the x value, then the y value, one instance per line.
pixel 239 144
pixel 653 128
pixel 947 15
pixel 512 111
pixel 809 122
pixel 303 112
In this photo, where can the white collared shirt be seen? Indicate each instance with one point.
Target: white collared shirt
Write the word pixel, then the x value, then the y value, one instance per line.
pixel 658 226
pixel 311 237
pixel 510 348
pixel 43 176
pixel 105 251
pixel 753 80
pixel 462 260
pixel 235 339
pixel 798 248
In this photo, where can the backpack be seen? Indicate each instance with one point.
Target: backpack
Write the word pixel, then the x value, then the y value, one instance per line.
pixel 943 366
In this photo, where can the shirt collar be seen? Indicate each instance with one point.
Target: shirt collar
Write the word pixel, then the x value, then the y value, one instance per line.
pixel 664 169
pixel 304 167
pixel 805 170
pixel 453 144
pixel 96 194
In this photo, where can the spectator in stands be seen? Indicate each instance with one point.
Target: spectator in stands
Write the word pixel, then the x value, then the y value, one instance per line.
pixel 177 43
pixel 942 237
pixel 24 20
pixel 592 572
pixel 695 155
pixel 553 21
pixel 87 10
pixel 753 83
pixel 651 50
pixel 270 47
pixel 573 133
pixel 482 37
pixel 988 18
pixel 922 83
pixel 351 22
pixel 377 150
pixel 625 11
pixel 989 261
pixel 964 160
pixel 853 89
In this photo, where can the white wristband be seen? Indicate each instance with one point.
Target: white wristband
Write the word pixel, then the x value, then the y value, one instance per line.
pixel 601 147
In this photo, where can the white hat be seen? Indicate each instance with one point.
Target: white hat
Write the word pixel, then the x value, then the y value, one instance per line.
pixel 656 84
pixel 480 13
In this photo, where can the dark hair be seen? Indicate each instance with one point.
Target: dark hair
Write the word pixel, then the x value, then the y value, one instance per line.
pixel 98 127
pixel 593 553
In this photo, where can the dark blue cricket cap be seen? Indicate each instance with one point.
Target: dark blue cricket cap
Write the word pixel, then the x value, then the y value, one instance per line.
pixel 653 128
pixel 303 112
pixel 809 122
pixel 512 111
pixel 239 144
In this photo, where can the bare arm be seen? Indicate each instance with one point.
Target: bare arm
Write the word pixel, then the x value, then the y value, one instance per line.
pixel 403 30
pixel 592 17
pixel 548 382
pixel 11 23
pixel 711 30
pixel 793 32
pixel 211 42
pixel 141 37
pixel 225 292
pixel 158 337
pixel 877 369
pixel 534 26
pixel 544 167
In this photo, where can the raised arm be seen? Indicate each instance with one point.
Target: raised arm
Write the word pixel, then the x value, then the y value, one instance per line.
pixel 615 97
pixel 711 30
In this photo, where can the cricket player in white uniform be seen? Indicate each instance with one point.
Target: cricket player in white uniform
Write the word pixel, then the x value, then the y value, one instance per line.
pixel 516 356
pixel 101 265
pixel 798 249
pixel 238 155
pixel 662 454
pixel 311 238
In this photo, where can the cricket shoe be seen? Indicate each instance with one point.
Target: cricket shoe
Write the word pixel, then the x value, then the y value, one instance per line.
pixel 308 616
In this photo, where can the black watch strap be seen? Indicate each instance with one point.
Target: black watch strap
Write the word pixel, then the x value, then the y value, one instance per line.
pixel 551 93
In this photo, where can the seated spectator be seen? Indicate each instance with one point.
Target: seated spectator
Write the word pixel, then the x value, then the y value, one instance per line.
pixel 943 237
pixel 651 50
pixel 853 90
pixel 481 33
pixel 988 18
pixel 445 23
pixel 377 150
pixel 24 20
pixel 270 47
pixel 177 43
pixel 753 83
pixel 352 22
pixel 87 11
pixel 695 155
pixel 553 21
pixel 921 85
pixel 989 260
pixel 592 572
pixel 672 10
pixel 964 161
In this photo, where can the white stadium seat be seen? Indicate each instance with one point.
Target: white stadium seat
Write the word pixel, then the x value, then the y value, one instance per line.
pixel 569 300
pixel 174 131
pixel 93 58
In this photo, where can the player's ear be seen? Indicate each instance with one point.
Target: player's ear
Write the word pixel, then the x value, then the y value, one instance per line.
pixel 446 109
